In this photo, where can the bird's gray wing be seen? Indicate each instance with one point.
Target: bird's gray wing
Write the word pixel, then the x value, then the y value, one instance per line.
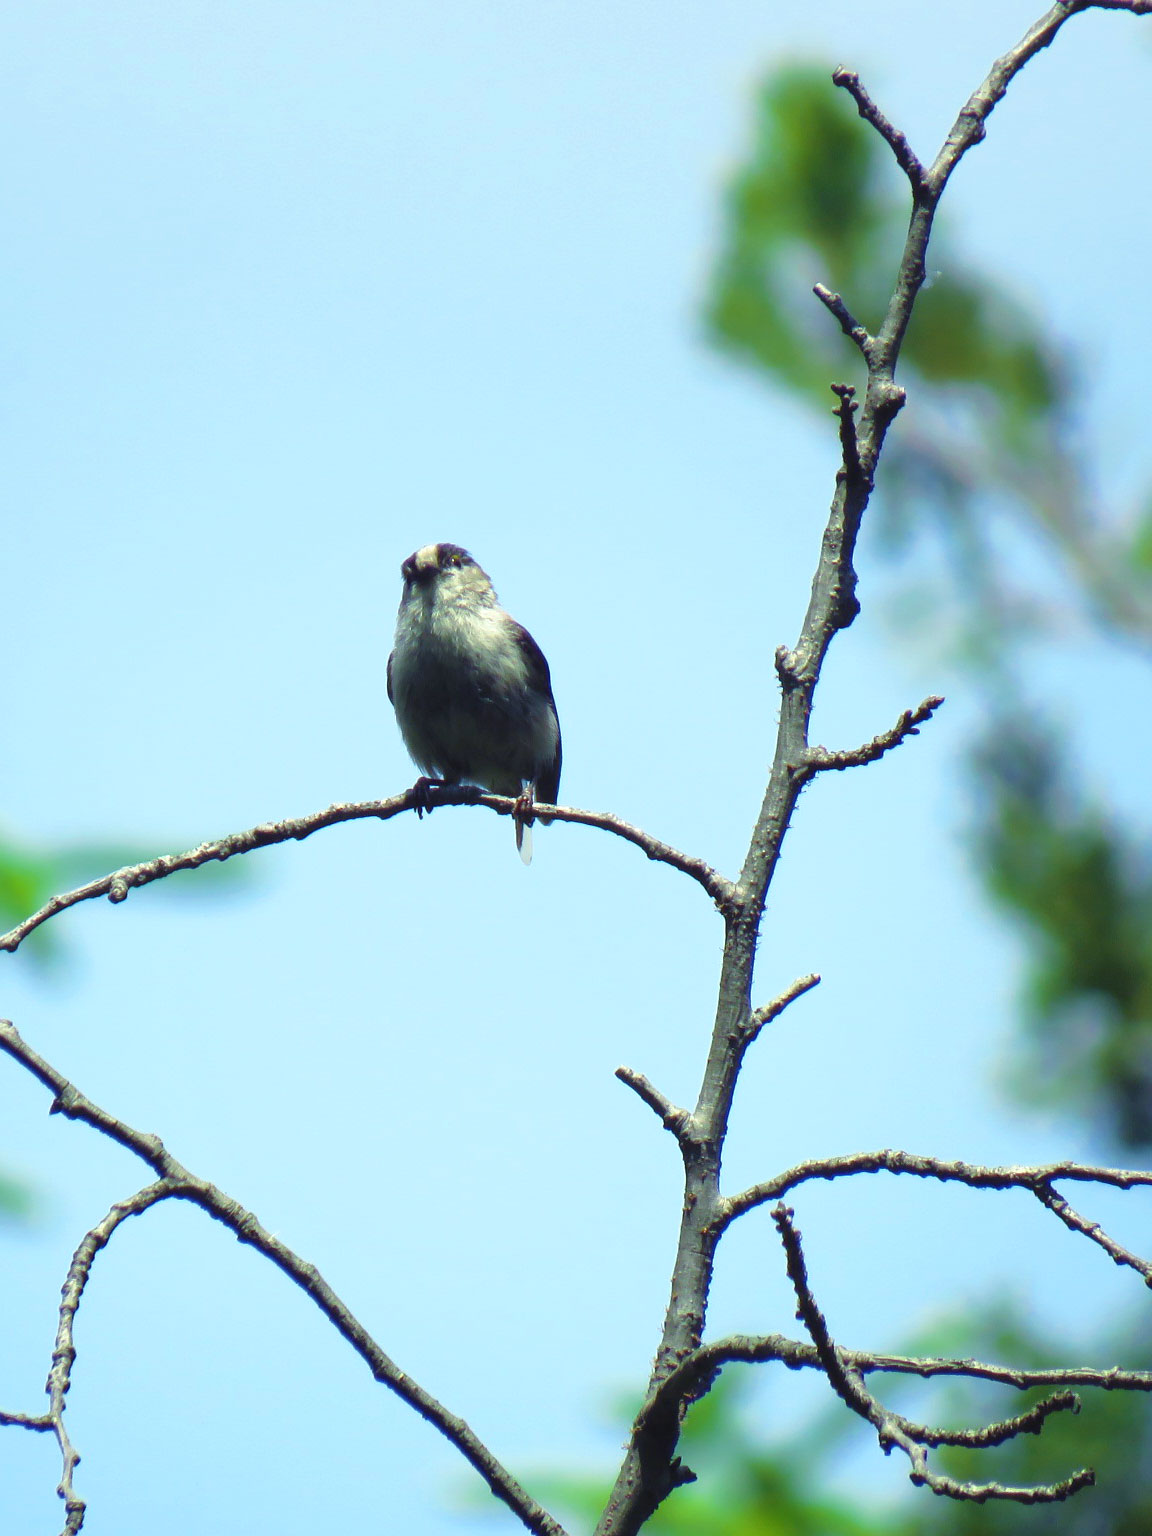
pixel 540 680
pixel 548 784
pixel 539 677
pixel 391 700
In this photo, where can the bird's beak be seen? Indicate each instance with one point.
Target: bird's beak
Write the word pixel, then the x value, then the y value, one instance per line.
pixel 422 565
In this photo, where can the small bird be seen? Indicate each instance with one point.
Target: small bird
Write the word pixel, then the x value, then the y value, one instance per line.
pixel 471 688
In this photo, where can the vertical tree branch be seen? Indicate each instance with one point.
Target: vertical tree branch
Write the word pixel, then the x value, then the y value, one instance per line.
pixel 651 1470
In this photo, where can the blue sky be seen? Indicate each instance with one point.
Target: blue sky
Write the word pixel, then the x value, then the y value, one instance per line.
pixel 292 289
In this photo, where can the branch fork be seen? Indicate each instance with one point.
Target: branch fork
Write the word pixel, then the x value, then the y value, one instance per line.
pixel 893 1430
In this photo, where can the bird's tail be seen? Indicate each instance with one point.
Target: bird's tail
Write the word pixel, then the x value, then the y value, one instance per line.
pixel 524 841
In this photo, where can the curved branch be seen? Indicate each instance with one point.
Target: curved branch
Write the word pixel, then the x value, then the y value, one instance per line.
pixel 819 759
pixel 1030 1422
pixel 693 1375
pixel 176 1182
pixel 893 1429
pixel 119 882
pixel 1033 1179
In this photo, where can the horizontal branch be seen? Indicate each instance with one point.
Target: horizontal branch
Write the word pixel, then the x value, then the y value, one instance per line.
pixel 895 1430
pixel 684 1383
pixel 37 1421
pixel 1030 1422
pixel 973 1174
pixel 176 1182
pixel 116 885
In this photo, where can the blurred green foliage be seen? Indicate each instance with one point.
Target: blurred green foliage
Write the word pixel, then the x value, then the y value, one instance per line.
pixel 16 1199
pixel 1081 884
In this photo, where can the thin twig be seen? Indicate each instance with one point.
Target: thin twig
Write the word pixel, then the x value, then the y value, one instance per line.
pixel 819 759
pixel 776 1007
pixel 176 1182
pixel 969 128
pixel 119 882
pixel 845 414
pixel 1092 1230
pixel 37 1421
pixel 64 1353
pixel 849 81
pixel 893 1429
pixel 1030 1422
pixel 834 303
pixel 671 1116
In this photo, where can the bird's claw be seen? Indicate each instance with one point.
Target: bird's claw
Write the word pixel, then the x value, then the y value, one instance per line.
pixel 523 814
pixel 524 810
pixel 421 793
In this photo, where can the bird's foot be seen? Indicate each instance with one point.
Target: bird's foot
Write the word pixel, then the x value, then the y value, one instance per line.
pixel 421 793
pixel 523 814
pixel 524 809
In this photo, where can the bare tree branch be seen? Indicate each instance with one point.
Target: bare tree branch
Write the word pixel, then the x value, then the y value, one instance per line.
pixel 650 1469
pixel 176 1182
pixel 849 81
pixel 819 759
pixel 845 413
pixel 686 1383
pixel 671 1116
pixel 976 1176
pixel 835 305
pixel 64 1353
pixel 119 882
pixel 776 1007
pixel 1030 1422
pixel 969 129
pixel 1092 1230
pixel 893 1429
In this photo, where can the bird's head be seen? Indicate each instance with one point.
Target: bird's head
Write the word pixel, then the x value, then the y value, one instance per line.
pixel 445 573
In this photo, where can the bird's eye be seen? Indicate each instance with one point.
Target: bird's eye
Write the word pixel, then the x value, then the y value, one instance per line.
pixel 456 560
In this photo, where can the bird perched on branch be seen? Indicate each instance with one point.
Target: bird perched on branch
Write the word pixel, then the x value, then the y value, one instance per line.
pixel 471 688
